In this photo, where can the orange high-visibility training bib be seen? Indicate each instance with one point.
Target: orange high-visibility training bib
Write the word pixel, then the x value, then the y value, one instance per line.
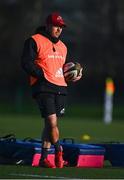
pixel 51 61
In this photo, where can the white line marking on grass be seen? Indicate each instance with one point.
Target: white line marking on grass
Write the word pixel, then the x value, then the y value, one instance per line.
pixel 36 176
pixel 40 176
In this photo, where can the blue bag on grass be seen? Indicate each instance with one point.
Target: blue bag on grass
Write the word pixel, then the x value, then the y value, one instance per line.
pixel 14 151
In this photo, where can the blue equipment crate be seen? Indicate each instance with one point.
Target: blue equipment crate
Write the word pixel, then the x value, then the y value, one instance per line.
pixel 82 155
pixel 114 153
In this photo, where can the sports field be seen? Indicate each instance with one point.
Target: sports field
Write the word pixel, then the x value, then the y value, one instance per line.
pixel 29 125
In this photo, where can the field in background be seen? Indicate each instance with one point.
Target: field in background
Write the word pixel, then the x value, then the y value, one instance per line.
pixel 79 120
pixel 93 110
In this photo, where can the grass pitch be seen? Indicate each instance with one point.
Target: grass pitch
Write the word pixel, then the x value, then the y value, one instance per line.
pixel 31 125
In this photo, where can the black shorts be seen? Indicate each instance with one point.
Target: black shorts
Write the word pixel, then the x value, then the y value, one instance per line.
pixel 50 103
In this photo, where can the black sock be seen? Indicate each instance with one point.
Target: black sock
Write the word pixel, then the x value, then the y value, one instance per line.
pixel 44 153
pixel 57 147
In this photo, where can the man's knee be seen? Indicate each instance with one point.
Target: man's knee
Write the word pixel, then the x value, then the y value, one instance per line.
pixel 51 121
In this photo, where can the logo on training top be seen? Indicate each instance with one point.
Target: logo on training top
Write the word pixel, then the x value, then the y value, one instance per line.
pixel 56 56
pixel 59 73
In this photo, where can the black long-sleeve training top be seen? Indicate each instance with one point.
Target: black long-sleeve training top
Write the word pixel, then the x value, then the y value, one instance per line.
pixel 27 62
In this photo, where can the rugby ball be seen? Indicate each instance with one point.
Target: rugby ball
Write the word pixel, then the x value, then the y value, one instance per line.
pixel 71 70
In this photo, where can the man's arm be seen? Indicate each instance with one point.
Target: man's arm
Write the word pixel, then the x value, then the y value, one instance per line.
pixel 28 57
